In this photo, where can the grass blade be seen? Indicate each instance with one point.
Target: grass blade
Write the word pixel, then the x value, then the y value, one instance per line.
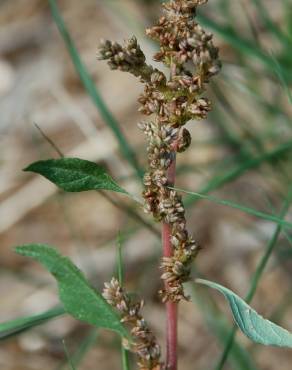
pixel 288 17
pixel 124 352
pixel 270 25
pixel 219 180
pixel 85 345
pixel 89 85
pixel 239 43
pixel 240 207
pixel 17 326
pixel 70 362
pixel 280 74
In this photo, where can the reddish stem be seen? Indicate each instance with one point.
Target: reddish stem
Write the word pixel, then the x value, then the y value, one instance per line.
pixel 171 307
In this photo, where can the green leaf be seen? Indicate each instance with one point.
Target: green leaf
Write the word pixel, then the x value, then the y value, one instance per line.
pixel 256 277
pixel 19 325
pixel 78 297
pixel 250 322
pixel 74 175
pixel 240 358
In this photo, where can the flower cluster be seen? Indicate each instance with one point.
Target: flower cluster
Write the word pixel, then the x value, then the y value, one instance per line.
pixel 171 102
pixel 127 58
pixel 145 345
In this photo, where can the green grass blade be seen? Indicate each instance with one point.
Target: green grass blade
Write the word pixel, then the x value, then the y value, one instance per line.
pixel 219 180
pixel 89 85
pixel 271 108
pixel 85 345
pixel 250 21
pixel 279 72
pixel 270 25
pixel 69 359
pixel 288 17
pixel 17 326
pixel 246 131
pixel 250 211
pixel 124 352
pixel 256 277
pixel 120 270
pixel 263 262
pixel 239 43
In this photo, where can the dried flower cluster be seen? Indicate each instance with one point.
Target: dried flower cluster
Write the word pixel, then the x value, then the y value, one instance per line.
pixel 145 345
pixel 193 59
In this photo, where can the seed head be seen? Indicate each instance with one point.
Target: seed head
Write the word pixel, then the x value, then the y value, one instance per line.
pixel 193 59
pixel 145 345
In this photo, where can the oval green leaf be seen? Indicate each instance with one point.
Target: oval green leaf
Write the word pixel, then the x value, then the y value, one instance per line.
pixel 250 322
pixel 75 175
pixel 78 297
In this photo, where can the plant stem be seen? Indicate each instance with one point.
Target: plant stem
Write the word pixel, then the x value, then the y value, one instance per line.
pixel 171 307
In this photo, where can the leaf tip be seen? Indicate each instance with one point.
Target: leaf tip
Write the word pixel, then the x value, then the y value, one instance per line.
pixel 200 281
pixel 19 250
pixel 29 168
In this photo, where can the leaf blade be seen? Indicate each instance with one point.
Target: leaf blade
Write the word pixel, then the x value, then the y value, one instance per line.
pixel 79 299
pixel 75 175
pixel 216 322
pixel 19 325
pixel 254 326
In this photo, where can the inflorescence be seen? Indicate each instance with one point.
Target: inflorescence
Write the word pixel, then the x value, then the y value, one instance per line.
pixel 171 101
pixel 145 344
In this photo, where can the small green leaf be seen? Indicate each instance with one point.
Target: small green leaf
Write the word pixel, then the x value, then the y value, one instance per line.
pixel 75 175
pixel 19 325
pixel 78 297
pixel 250 322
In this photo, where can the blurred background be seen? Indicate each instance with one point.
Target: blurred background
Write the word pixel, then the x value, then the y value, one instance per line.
pixel 242 154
